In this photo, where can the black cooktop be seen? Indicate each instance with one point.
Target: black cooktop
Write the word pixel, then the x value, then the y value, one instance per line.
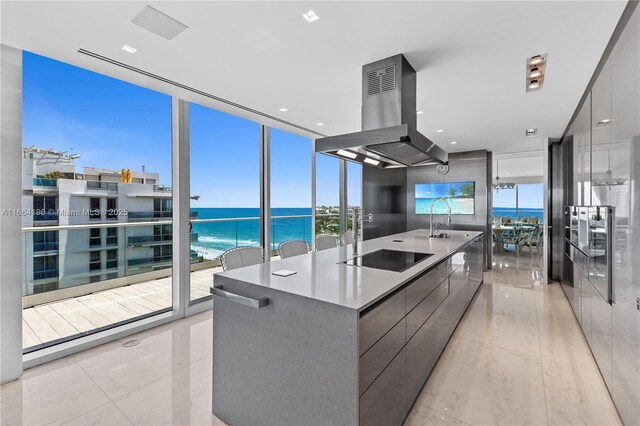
pixel 390 260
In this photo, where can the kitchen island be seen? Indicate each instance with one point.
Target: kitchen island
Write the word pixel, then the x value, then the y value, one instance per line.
pixel 337 343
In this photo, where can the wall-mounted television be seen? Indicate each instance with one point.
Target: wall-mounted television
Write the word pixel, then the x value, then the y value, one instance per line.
pixel 459 195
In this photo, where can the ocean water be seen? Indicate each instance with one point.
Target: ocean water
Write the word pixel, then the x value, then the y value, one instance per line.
pixel 511 212
pixel 217 237
pixel 458 206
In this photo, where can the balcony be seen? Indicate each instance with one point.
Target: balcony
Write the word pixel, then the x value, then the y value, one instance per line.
pixel 46 217
pixel 149 260
pixel 45 182
pixel 50 246
pixel 162 188
pixel 45 273
pixel 103 186
pixel 149 215
pixel 139 240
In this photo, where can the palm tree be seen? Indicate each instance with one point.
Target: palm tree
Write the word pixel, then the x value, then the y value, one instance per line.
pixel 467 190
pixel 452 192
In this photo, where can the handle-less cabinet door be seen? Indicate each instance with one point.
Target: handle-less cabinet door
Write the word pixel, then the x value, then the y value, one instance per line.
pixel 625 165
pixel 602 128
pixel 581 131
pixel 385 402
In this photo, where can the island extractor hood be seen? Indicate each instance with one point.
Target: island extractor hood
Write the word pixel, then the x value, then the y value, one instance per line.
pixel 389 137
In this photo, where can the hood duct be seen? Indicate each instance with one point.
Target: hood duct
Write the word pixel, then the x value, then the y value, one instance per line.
pixel 389 137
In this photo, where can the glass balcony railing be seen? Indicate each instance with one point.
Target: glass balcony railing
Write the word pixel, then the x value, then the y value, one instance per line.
pixel 149 260
pixel 48 216
pixel 45 273
pixel 162 188
pixel 46 182
pixel 49 246
pixel 104 186
pixel 154 215
pixel 136 253
pixel 147 239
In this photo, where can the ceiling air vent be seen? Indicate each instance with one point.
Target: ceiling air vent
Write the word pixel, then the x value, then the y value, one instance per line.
pixel 381 80
pixel 158 23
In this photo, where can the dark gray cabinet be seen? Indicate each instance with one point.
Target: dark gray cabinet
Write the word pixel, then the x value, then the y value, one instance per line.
pixel 425 347
pixel 377 320
pixel 385 402
pixel 402 336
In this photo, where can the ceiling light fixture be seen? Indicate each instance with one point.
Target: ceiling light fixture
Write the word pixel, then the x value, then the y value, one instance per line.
pixel 536 60
pixel 283 110
pixel 535 71
pixel 347 154
pixel 319 124
pixel 530 132
pixel 453 142
pixel 310 16
pixel 371 161
pixel 604 122
pixel 129 49
pixel 439 130
pixel 419 112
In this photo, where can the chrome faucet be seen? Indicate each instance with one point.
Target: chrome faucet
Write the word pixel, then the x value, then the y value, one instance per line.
pixel 444 200
pixel 369 218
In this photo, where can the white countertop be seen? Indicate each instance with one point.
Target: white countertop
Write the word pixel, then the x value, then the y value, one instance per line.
pixel 322 276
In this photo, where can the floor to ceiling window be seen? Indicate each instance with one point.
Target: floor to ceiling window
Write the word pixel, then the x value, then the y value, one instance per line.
pixel 97 202
pixel 327 195
pixel 290 188
pixel 523 201
pixel 354 193
pixel 225 190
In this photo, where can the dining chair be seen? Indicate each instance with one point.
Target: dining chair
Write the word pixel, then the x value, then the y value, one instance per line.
pixel 291 248
pixel 239 257
pixel 324 242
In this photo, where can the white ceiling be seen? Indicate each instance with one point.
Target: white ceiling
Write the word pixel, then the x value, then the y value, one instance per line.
pixel 518 165
pixel 470 57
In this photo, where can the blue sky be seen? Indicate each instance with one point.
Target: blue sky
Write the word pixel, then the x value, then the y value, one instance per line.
pixel 437 190
pixel 530 196
pixel 114 124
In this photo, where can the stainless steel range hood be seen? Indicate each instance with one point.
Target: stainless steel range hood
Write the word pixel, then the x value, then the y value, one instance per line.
pixel 389 137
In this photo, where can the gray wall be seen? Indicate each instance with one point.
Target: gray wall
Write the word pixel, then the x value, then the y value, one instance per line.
pixel 384 194
pixel 464 166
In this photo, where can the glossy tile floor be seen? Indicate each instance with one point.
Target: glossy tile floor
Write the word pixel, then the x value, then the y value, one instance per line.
pixel 517 357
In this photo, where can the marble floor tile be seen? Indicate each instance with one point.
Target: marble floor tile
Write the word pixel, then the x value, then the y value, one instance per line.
pixel 183 397
pixel 577 396
pixel 50 394
pixel 107 415
pixel 469 394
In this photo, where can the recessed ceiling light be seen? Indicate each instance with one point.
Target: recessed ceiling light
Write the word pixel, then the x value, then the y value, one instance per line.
pixel 534 84
pixel 440 130
pixel 604 122
pixel 453 142
pixel 371 161
pixel 419 112
pixel 506 174
pixel 530 132
pixel 347 154
pixel 536 60
pixel 283 110
pixel 129 49
pixel 535 72
pixel 319 124
pixel 310 16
